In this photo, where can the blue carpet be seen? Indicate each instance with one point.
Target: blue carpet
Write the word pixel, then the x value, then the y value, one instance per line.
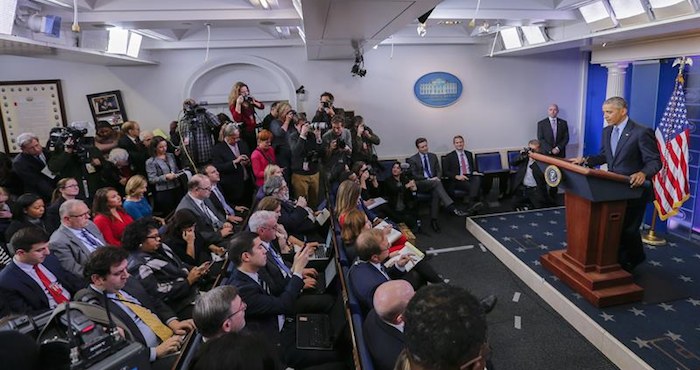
pixel 664 334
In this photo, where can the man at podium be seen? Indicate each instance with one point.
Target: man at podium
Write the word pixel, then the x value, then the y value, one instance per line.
pixel 628 149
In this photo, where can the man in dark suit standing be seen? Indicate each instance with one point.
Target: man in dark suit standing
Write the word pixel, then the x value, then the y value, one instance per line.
pixel 132 144
pixel 383 327
pixel 529 186
pixel 35 281
pixel 425 169
pixel 31 166
pixel 553 133
pixel 459 169
pixel 273 316
pixel 150 321
pixel 232 158
pixel 629 149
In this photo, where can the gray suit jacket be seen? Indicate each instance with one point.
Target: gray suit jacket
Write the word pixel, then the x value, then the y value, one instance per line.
pixel 70 250
pixel 205 226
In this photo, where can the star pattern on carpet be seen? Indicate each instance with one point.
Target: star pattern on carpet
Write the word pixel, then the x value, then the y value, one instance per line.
pixel 650 247
pixel 672 244
pixel 494 229
pixel 536 263
pixel 513 227
pixel 686 279
pixel 666 306
pixel 607 317
pixel 521 216
pixel 553 222
pixel 674 337
pixel 534 224
pixel 539 214
pixel 521 250
pixel 553 277
pixel 641 343
pixel 696 256
pixel 576 295
pixel 548 233
pixel 677 259
pixel 694 302
pixel 527 236
pixel 636 311
pixel 506 238
pixel 655 263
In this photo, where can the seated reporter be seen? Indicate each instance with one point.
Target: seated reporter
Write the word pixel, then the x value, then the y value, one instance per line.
pixel 110 216
pixel 233 213
pixel 182 237
pixel 117 169
pixel 238 350
pixel 159 270
pixel 136 204
pixel 270 170
pixel 219 311
pixel 77 237
pixel 150 321
pixel 28 211
pixel 34 281
pixel 295 214
pixel 284 240
pixel 211 225
pixel 399 190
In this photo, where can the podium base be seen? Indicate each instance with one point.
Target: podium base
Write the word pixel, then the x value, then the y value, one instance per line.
pixel 610 288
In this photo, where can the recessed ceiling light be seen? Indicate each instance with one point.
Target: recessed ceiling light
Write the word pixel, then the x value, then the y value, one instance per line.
pixel 450 22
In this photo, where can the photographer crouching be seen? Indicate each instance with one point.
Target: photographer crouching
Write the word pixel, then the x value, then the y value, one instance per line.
pixel 72 157
pixel 306 155
pixel 529 187
pixel 196 134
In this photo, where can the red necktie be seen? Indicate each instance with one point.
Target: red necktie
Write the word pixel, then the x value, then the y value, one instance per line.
pixel 54 289
pixel 464 165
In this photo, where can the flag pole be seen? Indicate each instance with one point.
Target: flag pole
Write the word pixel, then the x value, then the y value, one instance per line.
pixel 650 236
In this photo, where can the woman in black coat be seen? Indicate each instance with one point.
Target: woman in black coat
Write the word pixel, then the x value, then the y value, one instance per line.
pixel 28 211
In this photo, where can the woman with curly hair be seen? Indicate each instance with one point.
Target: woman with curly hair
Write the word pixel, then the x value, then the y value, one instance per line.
pixel 110 216
pixel 159 269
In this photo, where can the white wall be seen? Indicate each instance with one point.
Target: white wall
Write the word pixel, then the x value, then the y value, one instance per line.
pixel 502 97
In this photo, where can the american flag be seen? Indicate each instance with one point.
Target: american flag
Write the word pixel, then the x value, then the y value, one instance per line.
pixel 671 184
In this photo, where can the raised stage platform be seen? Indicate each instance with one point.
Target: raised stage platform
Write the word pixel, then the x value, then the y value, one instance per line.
pixel 660 332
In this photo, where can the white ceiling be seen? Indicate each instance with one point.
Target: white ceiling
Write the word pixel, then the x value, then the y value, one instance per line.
pixel 334 29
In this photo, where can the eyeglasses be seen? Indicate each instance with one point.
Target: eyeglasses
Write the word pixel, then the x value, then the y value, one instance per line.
pixel 81 215
pixel 240 309
pixel 157 236
pixel 207 189
pixel 70 186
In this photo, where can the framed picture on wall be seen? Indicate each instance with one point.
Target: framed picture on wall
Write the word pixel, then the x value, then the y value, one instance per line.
pixel 107 106
pixel 30 106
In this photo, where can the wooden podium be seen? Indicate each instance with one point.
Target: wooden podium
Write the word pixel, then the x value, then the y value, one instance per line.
pixel 595 209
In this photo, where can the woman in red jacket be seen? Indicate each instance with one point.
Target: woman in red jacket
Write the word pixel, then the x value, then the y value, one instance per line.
pixel 262 156
pixel 242 106
pixel 110 217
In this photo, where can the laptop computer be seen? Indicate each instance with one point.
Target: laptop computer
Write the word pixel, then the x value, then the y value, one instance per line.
pixel 323 281
pixel 321 331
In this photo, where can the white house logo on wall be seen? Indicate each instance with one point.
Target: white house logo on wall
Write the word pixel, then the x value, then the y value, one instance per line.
pixel 438 89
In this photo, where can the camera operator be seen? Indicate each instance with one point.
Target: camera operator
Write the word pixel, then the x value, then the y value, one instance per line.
pixel 242 106
pixel 325 111
pixel 337 143
pixel 30 166
pixel 71 158
pixel 196 133
pixel 306 154
pixel 529 186
pixel 363 141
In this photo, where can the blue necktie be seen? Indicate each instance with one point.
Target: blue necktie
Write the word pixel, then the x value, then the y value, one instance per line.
pixel 278 261
pixel 426 166
pixel 614 138
pixel 90 239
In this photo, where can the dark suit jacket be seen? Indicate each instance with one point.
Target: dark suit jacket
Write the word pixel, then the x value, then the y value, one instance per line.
pixel 416 163
pixel 452 166
pixel 384 341
pixel 636 151
pixel 28 168
pixel 231 183
pixel 205 226
pixel 137 154
pixel 364 280
pixel 547 139
pixel 137 291
pixel 296 220
pixel 263 308
pixel 536 173
pixel 23 295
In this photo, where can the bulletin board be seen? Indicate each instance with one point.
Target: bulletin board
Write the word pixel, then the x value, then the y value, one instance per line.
pixel 30 106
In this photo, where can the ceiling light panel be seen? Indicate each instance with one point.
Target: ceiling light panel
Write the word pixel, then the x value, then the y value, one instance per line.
pixel 533 34
pixel 511 38
pixel 594 12
pixel 627 8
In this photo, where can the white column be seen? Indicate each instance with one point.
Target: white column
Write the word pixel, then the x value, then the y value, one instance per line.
pixel 616 79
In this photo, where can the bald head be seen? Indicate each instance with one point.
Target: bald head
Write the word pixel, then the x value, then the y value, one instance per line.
pixel 391 298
